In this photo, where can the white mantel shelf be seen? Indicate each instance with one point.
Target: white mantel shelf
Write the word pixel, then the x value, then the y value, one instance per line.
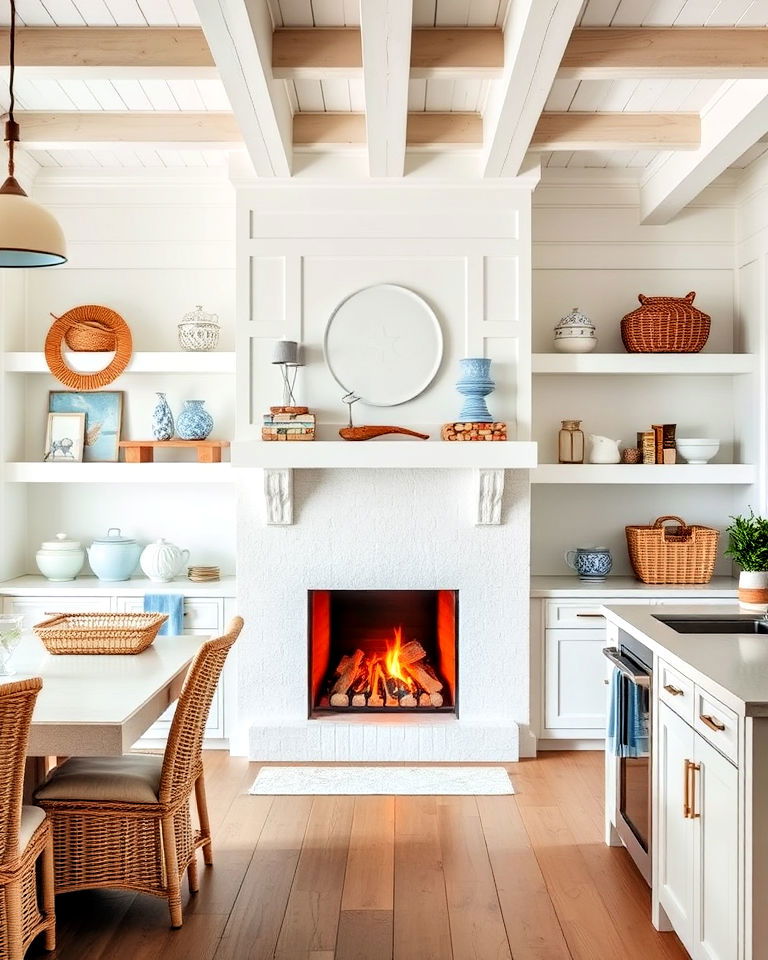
pixel 385 454
pixel 679 473
pixel 679 364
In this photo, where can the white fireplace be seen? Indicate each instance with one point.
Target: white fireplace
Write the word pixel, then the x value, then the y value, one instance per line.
pixel 342 516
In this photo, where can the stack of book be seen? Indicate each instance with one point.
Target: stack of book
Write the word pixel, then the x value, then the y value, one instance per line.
pixel 657 445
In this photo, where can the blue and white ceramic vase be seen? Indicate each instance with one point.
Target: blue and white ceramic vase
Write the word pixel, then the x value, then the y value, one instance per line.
pixel 162 419
pixel 475 384
pixel 194 422
pixel 590 563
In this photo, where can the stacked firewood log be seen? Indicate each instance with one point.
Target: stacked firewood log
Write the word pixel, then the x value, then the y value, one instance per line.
pixel 364 681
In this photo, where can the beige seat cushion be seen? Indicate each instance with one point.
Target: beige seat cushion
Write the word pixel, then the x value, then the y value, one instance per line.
pixel 31 818
pixel 134 778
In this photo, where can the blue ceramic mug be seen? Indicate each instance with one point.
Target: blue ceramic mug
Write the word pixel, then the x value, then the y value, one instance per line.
pixel 591 563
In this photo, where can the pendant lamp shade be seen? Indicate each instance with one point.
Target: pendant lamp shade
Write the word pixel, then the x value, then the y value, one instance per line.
pixel 29 235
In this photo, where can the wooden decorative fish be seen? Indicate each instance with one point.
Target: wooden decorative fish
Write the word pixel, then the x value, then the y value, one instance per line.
pixel 368 433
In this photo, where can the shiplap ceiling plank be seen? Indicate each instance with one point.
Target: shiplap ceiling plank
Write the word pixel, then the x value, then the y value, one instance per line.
pixel 417 95
pixel 618 95
pixel 356 96
pixel 385 29
pixel 439 96
pixel 159 95
pixel 336 95
pixel 32 13
pixel 310 96
pixel 599 13
pixel 213 94
pixel 127 13
pixel 451 13
pixel 240 39
pixel 756 16
pixel 187 94
pixel 106 94
pixel 64 12
pixel 695 13
pixel 424 13
pixel 158 13
pixel 631 13
pixel 731 124
pixel 184 11
pixel 728 12
pixel 132 94
pixel 588 96
pixel 328 13
pixel 561 94
pixel 297 13
pixel 95 13
pixel 535 38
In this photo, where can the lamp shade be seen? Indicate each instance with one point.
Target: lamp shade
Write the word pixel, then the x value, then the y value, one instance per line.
pixel 286 351
pixel 29 235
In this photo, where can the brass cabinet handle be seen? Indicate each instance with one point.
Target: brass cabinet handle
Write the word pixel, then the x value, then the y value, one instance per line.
pixel 710 722
pixel 692 768
pixel 686 790
pixel 675 691
pixel 591 616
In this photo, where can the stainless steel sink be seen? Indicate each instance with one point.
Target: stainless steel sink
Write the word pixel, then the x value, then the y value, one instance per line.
pixel 708 624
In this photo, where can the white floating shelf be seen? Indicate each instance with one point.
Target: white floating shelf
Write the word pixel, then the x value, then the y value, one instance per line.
pixel 180 473
pixel 176 361
pixel 679 473
pixel 382 453
pixel 680 364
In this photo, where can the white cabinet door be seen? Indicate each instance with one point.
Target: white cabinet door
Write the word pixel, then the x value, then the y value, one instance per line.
pixel 716 862
pixel 674 836
pixel 575 674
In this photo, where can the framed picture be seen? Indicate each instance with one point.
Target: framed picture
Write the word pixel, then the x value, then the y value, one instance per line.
pixel 103 411
pixel 64 438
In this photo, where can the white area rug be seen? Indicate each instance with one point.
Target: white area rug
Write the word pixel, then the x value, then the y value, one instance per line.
pixel 406 781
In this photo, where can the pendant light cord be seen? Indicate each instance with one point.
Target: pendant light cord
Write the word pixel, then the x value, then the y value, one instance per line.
pixel 11 130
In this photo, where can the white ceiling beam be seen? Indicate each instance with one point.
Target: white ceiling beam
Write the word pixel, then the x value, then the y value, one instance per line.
pixel 385 31
pixel 730 124
pixel 536 34
pixel 610 53
pixel 239 35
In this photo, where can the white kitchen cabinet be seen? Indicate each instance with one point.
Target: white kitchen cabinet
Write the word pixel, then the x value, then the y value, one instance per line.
pixel 697 840
pixel 35 609
pixel 673 834
pixel 575 674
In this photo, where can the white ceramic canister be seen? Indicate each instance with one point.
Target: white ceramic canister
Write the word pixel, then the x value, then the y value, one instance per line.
pixel 60 559
pixel 162 561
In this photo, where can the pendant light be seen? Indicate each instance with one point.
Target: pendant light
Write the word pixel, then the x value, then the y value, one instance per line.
pixel 29 235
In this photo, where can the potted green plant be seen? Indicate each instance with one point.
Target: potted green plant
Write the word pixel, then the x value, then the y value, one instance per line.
pixel 748 548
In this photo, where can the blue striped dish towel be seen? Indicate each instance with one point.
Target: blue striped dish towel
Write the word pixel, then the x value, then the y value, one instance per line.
pixel 170 603
pixel 630 737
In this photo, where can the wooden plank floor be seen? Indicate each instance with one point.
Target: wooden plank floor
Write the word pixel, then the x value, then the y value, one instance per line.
pixel 525 877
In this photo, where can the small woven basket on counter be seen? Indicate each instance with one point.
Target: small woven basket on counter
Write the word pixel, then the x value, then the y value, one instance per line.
pixel 672 554
pixel 665 325
pixel 99 633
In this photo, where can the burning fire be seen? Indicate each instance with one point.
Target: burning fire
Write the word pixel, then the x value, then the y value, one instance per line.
pixel 392 660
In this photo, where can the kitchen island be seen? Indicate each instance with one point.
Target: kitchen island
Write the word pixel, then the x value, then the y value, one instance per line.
pixel 707 707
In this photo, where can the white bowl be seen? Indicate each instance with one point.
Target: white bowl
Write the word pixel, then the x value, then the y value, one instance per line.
pixel 697 449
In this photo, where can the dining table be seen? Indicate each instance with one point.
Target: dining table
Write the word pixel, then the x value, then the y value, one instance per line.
pixel 98 704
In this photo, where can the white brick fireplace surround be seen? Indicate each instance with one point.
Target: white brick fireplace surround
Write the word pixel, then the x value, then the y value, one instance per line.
pixel 301 250
pixel 385 529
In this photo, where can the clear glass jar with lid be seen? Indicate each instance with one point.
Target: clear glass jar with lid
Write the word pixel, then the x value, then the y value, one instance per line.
pixel 199 330
pixel 570 442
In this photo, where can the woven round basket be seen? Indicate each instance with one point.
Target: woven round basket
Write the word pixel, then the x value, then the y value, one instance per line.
pixel 88 328
pixel 665 325
pixel 674 554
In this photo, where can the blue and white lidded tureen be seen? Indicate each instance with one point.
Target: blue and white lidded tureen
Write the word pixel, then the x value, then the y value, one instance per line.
pixel 575 333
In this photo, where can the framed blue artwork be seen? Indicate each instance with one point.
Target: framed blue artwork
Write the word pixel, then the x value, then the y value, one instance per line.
pixel 103 411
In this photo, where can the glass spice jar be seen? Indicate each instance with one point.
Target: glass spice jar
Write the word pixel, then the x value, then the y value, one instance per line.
pixel 570 442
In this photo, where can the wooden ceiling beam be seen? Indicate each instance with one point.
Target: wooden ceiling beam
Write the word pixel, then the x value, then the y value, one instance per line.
pixel 63 130
pixel 617 131
pixel 110 51
pixel 423 129
pixel 324 53
pixel 696 53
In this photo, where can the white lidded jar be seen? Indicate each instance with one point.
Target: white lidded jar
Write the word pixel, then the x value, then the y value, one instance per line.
pixel 161 561
pixel 575 333
pixel 60 559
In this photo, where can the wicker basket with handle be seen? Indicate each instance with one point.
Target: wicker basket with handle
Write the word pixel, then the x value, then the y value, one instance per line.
pixel 99 633
pixel 665 325
pixel 679 554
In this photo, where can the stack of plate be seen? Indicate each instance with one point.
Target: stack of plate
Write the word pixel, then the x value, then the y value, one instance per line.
pixel 203 574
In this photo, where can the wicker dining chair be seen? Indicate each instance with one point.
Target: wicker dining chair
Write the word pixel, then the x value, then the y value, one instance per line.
pixel 126 821
pixel 25 833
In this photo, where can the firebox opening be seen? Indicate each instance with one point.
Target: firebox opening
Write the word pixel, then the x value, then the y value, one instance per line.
pixel 383 651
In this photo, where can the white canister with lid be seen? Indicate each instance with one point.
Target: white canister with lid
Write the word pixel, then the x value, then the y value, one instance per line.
pixel 575 333
pixel 60 559
pixel 162 561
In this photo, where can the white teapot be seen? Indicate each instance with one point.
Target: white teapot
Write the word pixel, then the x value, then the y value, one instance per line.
pixel 603 449
pixel 162 561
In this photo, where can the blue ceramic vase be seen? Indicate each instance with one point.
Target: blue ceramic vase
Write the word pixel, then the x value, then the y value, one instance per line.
pixel 475 384
pixel 194 422
pixel 162 419
pixel 590 563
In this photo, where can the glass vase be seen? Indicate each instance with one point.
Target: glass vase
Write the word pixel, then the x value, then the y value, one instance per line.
pixel 10 637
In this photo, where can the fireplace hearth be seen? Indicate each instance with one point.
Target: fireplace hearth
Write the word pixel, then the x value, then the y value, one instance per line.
pixel 382 651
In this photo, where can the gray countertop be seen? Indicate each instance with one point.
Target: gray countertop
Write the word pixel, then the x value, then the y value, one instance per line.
pixel 571 586
pixel 733 667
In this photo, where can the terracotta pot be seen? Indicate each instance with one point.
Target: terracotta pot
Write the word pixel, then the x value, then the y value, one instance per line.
pixel 753 587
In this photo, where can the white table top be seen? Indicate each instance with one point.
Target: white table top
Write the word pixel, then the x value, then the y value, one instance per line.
pixel 101 705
